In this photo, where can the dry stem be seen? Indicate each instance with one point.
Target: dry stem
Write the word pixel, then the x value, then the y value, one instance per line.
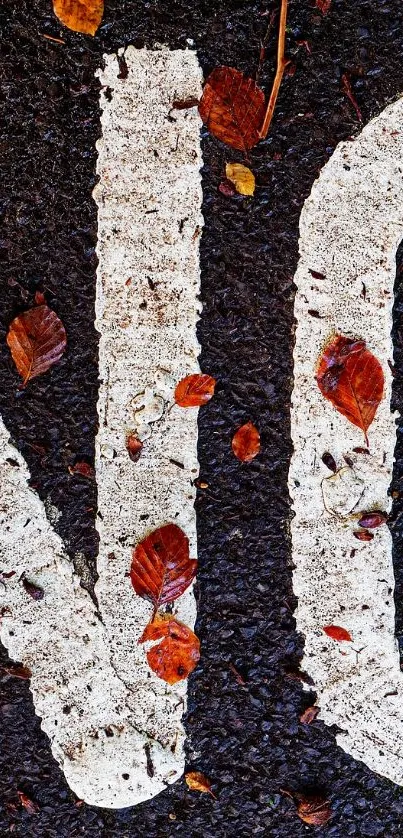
pixel 281 65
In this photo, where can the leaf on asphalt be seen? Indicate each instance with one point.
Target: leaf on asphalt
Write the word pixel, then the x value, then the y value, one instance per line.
pixel 351 378
pixel 161 569
pixel 80 15
pixel 28 804
pixel 323 6
pixel 309 715
pixel 17 670
pixel 197 781
pixel 194 390
pixel 134 446
pixel 37 340
pixel 337 633
pixel 233 107
pixel 242 178
pixel 246 442
pixel 83 469
pixel 179 651
pixel 314 809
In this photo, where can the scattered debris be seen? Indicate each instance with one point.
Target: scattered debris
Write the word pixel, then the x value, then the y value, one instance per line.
pixel 346 88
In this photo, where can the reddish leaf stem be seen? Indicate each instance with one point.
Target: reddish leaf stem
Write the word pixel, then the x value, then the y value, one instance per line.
pixel 281 65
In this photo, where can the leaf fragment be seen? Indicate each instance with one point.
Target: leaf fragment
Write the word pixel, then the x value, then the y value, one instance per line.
pixel 179 651
pixel 80 15
pixel 17 670
pixel 352 379
pixel 197 781
pixel 194 390
pixel 246 442
pixel 314 809
pixel 372 520
pixel 233 108
pixel 309 715
pixel 33 590
pixel 161 569
pixel 337 633
pixel 28 804
pixel 329 461
pixel 323 6
pixel 83 469
pixel 134 446
pixel 242 178
pixel 363 535
pixel 37 340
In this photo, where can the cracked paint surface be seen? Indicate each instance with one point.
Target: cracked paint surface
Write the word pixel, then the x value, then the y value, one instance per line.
pixel 115 728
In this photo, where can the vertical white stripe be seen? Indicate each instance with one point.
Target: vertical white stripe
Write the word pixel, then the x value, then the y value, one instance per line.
pixel 350 228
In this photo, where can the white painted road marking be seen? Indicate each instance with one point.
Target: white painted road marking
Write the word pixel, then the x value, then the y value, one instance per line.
pixel 100 704
pixel 350 228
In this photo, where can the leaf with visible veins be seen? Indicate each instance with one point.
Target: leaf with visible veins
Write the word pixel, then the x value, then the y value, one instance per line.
pixel 161 569
pixel 197 781
pixel 246 442
pixel 352 379
pixel 194 390
pixel 37 340
pixel 233 108
pixel 179 651
pixel 80 15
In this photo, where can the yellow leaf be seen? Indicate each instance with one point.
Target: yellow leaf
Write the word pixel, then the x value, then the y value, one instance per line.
pixel 242 178
pixel 80 15
pixel 198 782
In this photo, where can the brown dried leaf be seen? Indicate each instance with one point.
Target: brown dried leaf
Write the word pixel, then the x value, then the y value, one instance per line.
pixel 309 715
pixel 351 378
pixel 314 810
pixel 233 108
pixel 179 651
pixel 37 340
pixel 363 535
pixel 372 520
pixel 134 446
pixel 242 178
pixel 28 804
pixel 323 6
pixel 80 15
pixel 197 781
pixel 246 442
pixel 161 569
pixel 194 390
pixel 17 670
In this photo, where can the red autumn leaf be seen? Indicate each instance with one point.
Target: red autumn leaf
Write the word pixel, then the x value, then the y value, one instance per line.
pixel 37 340
pixel 83 469
pixel 337 633
pixel 351 378
pixel 323 6
pixel 246 442
pixel 177 655
pixel 197 781
pixel 233 108
pixel 371 520
pixel 134 447
pixel 194 390
pixel 314 809
pixel 80 15
pixel 28 804
pixel 161 569
pixel 363 535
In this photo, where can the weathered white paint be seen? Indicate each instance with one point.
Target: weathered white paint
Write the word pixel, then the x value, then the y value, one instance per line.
pixel 99 702
pixel 350 228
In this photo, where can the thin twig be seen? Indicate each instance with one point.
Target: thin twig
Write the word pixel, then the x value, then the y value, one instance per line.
pixel 263 46
pixel 281 65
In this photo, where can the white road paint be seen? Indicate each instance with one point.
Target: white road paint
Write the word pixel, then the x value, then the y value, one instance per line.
pixel 99 702
pixel 350 228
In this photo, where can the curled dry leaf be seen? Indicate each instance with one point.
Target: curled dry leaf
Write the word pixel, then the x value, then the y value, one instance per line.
pixel 161 569
pixel 233 108
pixel 337 633
pixel 179 651
pixel 80 15
pixel 314 809
pixel 134 446
pixel 309 715
pixel 37 340
pixel 242 178
pixel 372 520
pixel 194 390
pixel 351 378
pixel 246 442
pixel 28 804
pixel 363 535
pixel 197 781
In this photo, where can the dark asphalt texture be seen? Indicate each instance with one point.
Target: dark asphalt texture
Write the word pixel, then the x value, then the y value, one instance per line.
pixel 243 729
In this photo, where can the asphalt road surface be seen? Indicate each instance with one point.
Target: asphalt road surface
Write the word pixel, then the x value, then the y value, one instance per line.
pixel 246 696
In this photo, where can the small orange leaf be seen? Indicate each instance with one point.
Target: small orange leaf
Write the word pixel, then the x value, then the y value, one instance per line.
pixel 134 447
pixel 314 810
pixel 80 15
pixel 233 108
pixel 351 378
pixel 246 442
pixel 198 782
pixel 337 633
pixel 161 569
pixel 37 340
pixel 194 390
pixel 177 655
pixel 309 715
